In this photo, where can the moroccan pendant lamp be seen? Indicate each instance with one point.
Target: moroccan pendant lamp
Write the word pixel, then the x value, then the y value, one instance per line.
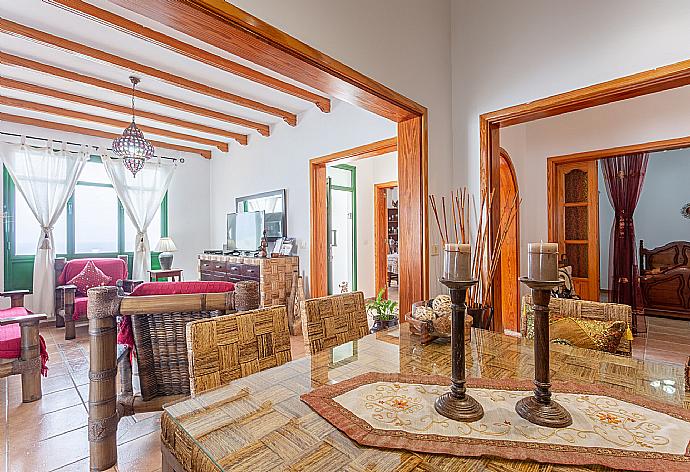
pixel 132 147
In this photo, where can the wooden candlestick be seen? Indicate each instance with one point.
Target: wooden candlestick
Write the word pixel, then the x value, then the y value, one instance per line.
pixel 539 408
pixel 456 404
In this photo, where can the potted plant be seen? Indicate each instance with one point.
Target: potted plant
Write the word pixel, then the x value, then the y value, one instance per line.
pixel 384 312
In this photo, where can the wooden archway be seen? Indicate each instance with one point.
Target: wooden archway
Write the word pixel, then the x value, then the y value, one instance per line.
pixel 510 253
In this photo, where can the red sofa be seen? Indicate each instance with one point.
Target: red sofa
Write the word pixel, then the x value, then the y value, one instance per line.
pixel 70 306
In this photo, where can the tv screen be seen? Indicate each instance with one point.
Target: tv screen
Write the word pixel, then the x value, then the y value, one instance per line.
pixel 245 230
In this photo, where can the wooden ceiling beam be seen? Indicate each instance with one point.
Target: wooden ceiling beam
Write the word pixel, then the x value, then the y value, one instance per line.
pixel 77 115
pixel 26 120
pixel 70 97
pixel 46 39
pixel 16 61
pixel 135 29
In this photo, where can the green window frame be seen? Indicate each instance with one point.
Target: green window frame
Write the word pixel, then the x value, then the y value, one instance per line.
pixel 19 268
pixel 353 190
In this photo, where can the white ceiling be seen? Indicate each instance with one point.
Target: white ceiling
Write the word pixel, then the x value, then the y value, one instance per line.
pixel 60 22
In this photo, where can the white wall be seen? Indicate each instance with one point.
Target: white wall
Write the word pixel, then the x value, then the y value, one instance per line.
pixel 663 115
pixel 371 171
pixel 657 217
pixel 282 161
pixel 188 197
pixel 404 44
pixel 507 52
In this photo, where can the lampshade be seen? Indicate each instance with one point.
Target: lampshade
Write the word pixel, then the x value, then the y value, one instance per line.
pixel 165 245
pixel 132 147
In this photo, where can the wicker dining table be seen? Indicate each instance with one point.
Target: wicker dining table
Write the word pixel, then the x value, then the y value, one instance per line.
pixel 259 423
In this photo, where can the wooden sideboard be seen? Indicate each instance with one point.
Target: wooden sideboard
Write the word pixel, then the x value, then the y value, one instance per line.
pixel 273 274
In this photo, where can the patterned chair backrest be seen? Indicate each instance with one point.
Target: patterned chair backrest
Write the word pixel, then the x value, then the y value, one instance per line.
pixel 229 347
pixel 333 320
pixel 114 267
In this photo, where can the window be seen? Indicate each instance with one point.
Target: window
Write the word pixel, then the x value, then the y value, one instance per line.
pixel 93 224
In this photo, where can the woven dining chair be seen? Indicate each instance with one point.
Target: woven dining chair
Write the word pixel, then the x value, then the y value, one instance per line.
pixel 227 348
pixel 571 308
pixel 333 320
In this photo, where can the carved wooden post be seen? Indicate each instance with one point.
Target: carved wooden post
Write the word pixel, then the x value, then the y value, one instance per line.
pixel 31 356
pixel 103 307
pixel 70 330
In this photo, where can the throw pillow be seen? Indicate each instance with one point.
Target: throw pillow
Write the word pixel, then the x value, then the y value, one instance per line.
pixel 589 334
pixel 90 276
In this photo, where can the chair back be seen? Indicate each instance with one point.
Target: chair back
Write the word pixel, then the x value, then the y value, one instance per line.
pixel 570 308
pixel 333 320
pixel 113 267
pixel 158 325
pixel 227 348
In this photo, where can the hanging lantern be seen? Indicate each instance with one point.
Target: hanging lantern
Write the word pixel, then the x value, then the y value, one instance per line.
pixel 132 147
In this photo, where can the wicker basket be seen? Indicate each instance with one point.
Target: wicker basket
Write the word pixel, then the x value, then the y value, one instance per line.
pixel 247 295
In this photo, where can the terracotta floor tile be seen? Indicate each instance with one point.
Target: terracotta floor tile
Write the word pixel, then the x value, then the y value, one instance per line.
pixel 48 403
pixel 128 431
pixel 140 455
pixel 48 425
pixel 49 454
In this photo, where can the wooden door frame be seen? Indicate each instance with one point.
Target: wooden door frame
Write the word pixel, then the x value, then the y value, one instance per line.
pixel 554 161
pixel 381 235
pixel 318 248
pixel 223 25
pixel 635 85
pixel 504 154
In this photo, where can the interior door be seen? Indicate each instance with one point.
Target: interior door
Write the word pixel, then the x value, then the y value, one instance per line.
pixel 341 231
pixel 510 253
pixel 577 223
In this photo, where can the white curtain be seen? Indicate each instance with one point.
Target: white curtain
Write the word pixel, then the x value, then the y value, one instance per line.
pixel 46 179
pixel 141 197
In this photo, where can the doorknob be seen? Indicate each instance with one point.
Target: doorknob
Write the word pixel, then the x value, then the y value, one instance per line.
pixel 334 238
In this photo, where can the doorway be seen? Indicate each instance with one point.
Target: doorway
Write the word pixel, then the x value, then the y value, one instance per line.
pixel 342 228
pixel 386 236
pixel 510 254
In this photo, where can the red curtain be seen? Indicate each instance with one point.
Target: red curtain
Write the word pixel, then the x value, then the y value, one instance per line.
pixel 624 177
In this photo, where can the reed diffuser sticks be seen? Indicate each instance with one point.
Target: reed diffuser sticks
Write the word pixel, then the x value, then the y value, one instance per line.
pixel 484 263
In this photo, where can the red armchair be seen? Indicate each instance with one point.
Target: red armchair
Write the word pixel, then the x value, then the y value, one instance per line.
pixel 70 306
pixel 22 349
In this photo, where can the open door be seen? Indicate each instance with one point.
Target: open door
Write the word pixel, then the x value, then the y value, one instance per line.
pixel 510 253
pixel 385 236
pixel 342 236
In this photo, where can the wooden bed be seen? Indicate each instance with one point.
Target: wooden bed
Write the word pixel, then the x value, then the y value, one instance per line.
pixel 665 279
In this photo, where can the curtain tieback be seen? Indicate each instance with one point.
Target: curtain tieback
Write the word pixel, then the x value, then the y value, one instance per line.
pixel 141 247
pixel 45 243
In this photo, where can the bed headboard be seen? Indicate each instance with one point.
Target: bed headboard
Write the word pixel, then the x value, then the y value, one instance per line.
pixel 673 254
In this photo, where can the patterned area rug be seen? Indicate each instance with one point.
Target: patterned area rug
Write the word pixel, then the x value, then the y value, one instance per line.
pixel 610 428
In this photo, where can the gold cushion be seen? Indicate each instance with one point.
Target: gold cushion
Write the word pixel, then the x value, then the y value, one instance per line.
pixel 589 334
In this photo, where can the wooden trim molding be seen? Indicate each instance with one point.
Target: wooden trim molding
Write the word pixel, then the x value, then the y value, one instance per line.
pixel 185 49
pixel 318 262
pixel 25 120
pixel 635 85
pixel 77 115
pixel 70 97
pixel 651 146
pixel 360 152
pixel 15 29
pixel 16 61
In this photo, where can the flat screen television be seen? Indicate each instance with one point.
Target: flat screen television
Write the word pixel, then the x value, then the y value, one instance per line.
pixel 245 230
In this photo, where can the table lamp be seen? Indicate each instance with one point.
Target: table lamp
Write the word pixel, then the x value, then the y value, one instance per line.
pixel 165 246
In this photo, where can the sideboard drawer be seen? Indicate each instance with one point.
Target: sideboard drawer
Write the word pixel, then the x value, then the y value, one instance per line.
pixel 234 270
pixel 205 265
pixel 218 266
pixel 250 271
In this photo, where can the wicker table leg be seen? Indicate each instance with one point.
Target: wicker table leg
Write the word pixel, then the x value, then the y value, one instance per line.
pixel 103 307
pixel 31 351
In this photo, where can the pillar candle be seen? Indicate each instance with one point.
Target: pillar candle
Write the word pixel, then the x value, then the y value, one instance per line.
pixel 542 263
pixel 456 262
